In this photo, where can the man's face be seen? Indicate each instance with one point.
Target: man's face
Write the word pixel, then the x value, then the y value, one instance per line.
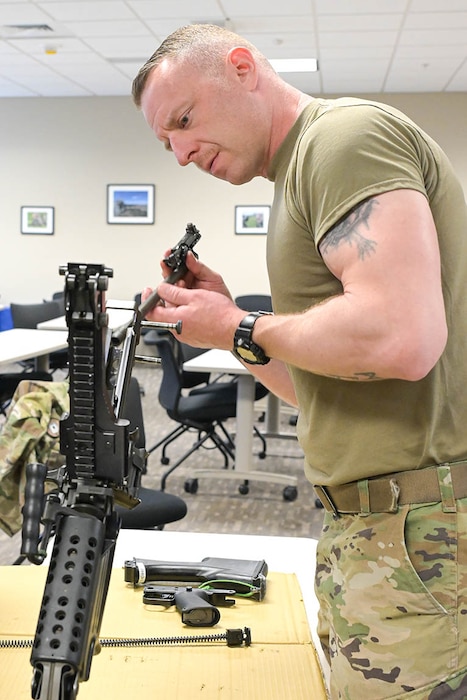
pixel 213 123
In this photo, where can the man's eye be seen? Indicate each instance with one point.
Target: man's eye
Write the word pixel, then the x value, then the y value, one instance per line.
pixel 184 121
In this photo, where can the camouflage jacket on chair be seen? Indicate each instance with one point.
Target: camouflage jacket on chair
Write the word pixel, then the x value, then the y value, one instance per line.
pixel 30 434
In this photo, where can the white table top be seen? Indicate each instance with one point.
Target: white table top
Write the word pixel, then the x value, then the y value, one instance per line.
pixel 216 361
pixel 20 344
pixel 282 554
pixel 117 318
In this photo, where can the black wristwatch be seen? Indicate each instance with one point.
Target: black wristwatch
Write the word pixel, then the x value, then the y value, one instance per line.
pixel 244 347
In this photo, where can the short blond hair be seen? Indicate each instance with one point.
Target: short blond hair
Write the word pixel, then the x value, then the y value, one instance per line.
pixel 204 45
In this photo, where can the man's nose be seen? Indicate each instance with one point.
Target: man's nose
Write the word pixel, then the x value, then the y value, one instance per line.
pixel 183 152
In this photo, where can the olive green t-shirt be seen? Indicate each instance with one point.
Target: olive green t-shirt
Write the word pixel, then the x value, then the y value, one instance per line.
pixel 338 153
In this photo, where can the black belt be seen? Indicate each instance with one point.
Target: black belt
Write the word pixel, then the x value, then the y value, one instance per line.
pixel 383 494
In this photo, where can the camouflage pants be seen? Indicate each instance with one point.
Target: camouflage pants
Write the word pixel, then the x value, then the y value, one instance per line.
pixel 393 603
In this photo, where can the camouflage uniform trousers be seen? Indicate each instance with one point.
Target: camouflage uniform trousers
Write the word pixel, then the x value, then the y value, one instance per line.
pixel 392 589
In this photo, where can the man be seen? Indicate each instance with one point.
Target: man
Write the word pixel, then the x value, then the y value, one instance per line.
pixel 367 258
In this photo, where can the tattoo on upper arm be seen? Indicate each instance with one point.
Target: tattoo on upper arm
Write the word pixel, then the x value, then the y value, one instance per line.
pixel 349 230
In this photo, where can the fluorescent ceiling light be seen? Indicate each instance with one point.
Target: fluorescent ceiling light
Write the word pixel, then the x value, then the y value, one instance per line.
pixel 294 65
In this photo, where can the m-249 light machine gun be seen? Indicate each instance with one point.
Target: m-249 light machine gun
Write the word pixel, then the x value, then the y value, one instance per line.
pixel 102 469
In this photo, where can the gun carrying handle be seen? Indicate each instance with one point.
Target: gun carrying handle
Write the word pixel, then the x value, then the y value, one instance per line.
pixel 32 511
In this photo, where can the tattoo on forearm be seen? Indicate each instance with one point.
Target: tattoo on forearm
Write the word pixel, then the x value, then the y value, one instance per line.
pixel 349 231
pixel 357 377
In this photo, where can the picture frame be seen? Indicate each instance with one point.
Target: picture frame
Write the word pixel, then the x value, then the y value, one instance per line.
pixel 37 220
pixel 252 219
pixel 130 204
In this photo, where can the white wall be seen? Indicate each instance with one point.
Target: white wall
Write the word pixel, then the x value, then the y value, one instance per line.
pixel 64 152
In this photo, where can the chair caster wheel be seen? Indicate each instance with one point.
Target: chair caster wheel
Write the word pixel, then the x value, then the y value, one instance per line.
pixel 244 489
pixel 191 486
pixel 262 455
pixel 165 460
pixel 318 503
pixel 290 493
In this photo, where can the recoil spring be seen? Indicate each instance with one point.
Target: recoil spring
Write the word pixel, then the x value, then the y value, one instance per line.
pixel 232 637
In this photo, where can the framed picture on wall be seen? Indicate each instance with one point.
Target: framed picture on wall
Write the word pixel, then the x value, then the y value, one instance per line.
pixel 252 219
pixel 130 204
pixel 37 220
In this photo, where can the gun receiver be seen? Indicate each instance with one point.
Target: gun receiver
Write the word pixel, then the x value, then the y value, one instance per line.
pixel 244 576
pixel 197 607
pixel 102 469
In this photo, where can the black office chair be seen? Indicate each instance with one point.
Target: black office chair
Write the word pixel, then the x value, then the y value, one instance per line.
pixel 184 353
pixel 203 410
pixel 157 508
pixel 10 380
pixel 254 302
pixel 189 380
pixel 29 315
pixel 259 302
pixel 59 297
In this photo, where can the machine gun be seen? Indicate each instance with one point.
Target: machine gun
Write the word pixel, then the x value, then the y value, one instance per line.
pixel 103 469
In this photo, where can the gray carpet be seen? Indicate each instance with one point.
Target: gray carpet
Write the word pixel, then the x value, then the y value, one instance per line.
pixel 218 506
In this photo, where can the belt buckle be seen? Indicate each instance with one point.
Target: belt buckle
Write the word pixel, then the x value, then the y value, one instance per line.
pixel 326 500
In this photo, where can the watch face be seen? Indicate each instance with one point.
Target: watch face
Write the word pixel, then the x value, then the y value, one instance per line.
pixel 246 354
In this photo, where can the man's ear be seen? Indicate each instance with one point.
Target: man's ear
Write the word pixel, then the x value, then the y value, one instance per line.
pixel 241 61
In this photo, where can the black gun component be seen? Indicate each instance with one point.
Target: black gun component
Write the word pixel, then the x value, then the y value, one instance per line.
pixel 246 577
pixel 130 335
pixel 102 469
pixel 197 607
pixel 233 638
pixel 176 262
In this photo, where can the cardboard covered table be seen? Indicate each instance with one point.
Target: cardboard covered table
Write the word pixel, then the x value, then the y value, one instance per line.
pixel 280 663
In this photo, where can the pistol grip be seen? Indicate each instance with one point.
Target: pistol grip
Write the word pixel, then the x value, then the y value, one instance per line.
pixel 32 511
pixel 195 610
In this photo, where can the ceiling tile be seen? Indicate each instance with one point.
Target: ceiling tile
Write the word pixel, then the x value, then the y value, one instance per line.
pixel 169 9
pixel 115 28
pixel 92 10
pixel 110 39
pixel 255 8
pixel 360 7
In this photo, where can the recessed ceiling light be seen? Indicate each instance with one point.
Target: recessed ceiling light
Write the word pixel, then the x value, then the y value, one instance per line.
pixel 294 65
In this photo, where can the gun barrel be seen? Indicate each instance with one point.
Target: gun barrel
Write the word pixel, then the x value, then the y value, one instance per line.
pixel 73 603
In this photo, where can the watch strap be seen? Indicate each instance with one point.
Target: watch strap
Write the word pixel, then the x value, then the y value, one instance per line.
pixel 243 339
